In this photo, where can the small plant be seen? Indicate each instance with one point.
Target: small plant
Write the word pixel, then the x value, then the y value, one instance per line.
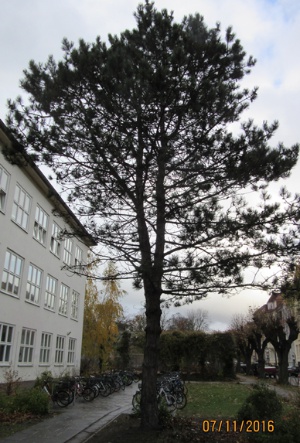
pixel 12 381
pixel 39 382
pixel 33 401
pixel 296 397
pixel 27 401
pixel 262 404
pixel 164 415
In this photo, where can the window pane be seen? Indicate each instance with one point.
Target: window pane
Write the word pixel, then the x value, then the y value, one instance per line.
pixel 18 266
pixel 24 221
pixel 16 285
pixel 9 336
pixel 3 333
pixel 4 180
pixel 19 216
pixel 6 263
pixel 12 263
pixel 17 193
pixel 27 203
pixel 10 283
pixel 4 280
pixel 21 198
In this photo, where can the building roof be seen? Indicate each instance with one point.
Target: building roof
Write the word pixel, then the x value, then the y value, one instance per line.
pixel 275 296
pixel 36 175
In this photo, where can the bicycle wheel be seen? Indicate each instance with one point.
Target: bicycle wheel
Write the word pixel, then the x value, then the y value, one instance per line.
pixel 167 402
pixel 136 401
pixel 62 398
pixel 88 394
pixel 181 400
pixel 96 389
pixel 136 378
pixel 104 390
pixel 127 380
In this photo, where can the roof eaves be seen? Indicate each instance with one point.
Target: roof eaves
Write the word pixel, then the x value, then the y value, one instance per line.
pixel 25 161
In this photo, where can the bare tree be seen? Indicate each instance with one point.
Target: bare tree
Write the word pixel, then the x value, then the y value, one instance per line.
pixel 199 319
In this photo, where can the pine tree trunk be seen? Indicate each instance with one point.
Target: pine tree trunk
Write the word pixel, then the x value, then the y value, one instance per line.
pixel 149 408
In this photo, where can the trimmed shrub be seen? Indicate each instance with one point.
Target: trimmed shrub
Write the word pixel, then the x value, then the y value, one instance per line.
pixel 262 404
pixel 32 401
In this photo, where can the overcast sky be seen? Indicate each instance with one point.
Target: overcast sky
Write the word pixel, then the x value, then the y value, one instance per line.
pixel 268 29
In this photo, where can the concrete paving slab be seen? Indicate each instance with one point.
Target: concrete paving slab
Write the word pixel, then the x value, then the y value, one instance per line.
pixel 79 421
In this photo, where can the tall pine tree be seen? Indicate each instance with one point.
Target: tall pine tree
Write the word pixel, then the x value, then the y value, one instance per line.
pixel 138 130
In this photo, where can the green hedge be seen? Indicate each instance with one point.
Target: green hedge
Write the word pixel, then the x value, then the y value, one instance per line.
pixel 33 401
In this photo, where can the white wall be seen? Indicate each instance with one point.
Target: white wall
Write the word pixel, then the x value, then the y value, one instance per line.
pixel 19 312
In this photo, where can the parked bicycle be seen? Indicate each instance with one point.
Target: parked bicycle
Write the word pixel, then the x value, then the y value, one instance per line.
pixel 170 393
pixel 58 396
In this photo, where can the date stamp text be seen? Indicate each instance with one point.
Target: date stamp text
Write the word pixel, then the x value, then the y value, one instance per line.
pixel 249 426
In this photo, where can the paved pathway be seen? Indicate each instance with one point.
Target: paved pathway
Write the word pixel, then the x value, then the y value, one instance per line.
pixel 79 422
pixel 280 389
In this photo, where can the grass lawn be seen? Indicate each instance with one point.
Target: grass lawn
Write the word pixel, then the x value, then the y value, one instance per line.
pixel 215 399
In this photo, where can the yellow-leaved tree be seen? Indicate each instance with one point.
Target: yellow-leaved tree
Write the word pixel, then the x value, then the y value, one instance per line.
pixel 101 311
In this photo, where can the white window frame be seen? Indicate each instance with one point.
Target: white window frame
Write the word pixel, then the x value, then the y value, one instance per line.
pixel 78 256
pixel 71 351
pixel 4 182
pixel 33 287
pixel 40 225
pixel 45 349
pixel 55 243
pixel 26 351
pixel 63 300
pixel 12 273
pixel 68 251
pixel 50 293
pixel 74 305
pixel 6 341
pixel 59 350
pixel 21 207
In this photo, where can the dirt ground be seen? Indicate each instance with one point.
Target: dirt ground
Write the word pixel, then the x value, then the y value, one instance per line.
pixel 126 428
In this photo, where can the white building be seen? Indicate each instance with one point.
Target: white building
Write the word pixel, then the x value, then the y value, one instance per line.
pixel 276 305
pixel 41 304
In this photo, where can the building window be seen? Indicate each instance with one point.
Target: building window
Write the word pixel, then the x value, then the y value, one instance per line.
pixel 59 350
pixel 55 240
pixel 21 207
pixel 68 248
pixel 33 284
pixel 71 351
pixel 63 300
pixel 74 305
pixel 45 348
pixel 12 273
pixel 3 187
pixel 78 256
pixel 50 294
pixel 27 346
pixel 6 336
pixel 40 225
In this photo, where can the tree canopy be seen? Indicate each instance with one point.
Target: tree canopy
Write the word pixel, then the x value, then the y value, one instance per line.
pixel 139 131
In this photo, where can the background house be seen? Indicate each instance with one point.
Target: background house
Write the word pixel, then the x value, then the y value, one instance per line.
pixel 41 300
pixel 279 307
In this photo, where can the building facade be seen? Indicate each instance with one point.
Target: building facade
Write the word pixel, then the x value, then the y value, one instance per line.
pixel 276 305
pixel 41 297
